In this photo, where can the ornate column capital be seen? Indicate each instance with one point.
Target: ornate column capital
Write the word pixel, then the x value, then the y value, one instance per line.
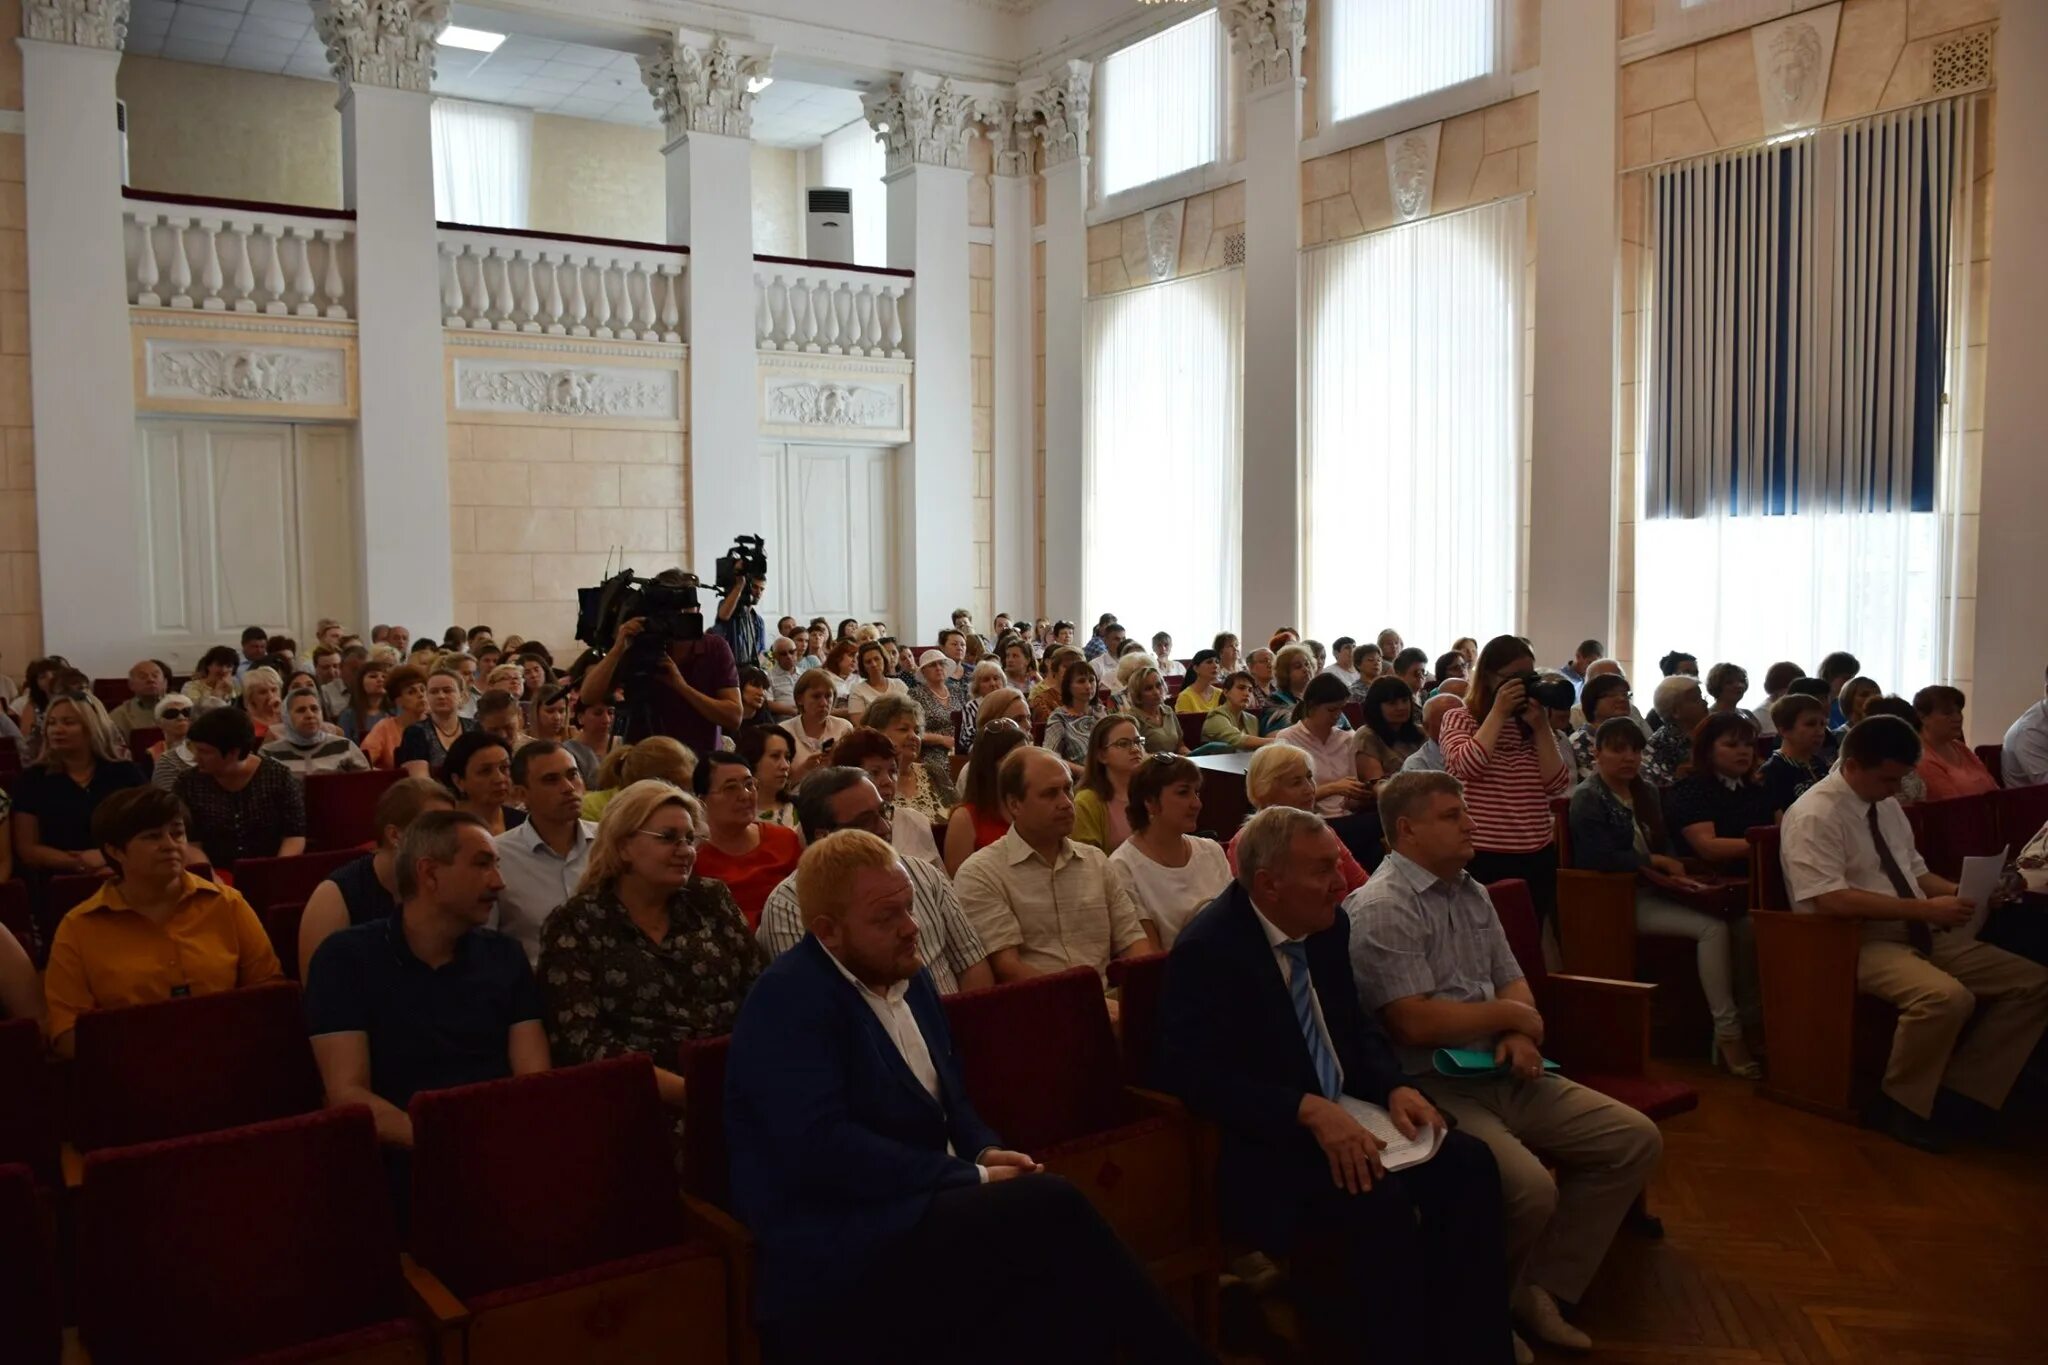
pixel 922 120
pixel 1003 123
pixel 705 82
pixel 1271 34
pixel 1055 107
pixel 388 43
pixel 82 23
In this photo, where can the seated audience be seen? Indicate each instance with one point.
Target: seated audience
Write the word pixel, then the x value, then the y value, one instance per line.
pixel 1855 698
pixel 1115 753
pixel 1605 697
pixel 924 782
pixel 1390 733
pixel 1711 810
pixel 814 729
pixel 1835 672
pixel 1112 639
pixel 427 998
pixel 1801 722
pixel 875 754
pixel 263 700
pixel 768 751
pixel 1145 702
pixel 21 989
pixel 369 701
pixel 1293 666
pixel 424 748
pixel 1341 657
pixel 542 858
pixel 1411 666
pixel 2024 759
pixel 1679 664
pixel 239 803
pixel 406 690
pixel 1617 825
pixel 751 858
pixel 1430 757
pixel 172 754
pixel 648 953
pixel 498 714
pixel 656 758
pixel 1005 703
pixel 1259 664
pixel 1069 724
pixel 213 683
pixel 1233 721
pixel 1948 765
pixel 1044 697
pixel 1281 776
pixel 593 738
pixel 838 665
pixel 1331 748
pixel 307 743
pixel 986 680
pixel 1200 693
pixel 843 798
pixel 1162 657
pixel 1168 873
pixel 1912 790
pixel 1267 1055
pixel 1584 657
pixel 1848 851
pixel 367 889
pixel 1020 666
pixel 982 818
pixel 1681 710
pixel 1429 955
pixel 917 1190
pixel 1778 679
pixel 478 774
pixel 937 700
pixel 872 680
pixel 1229 657
pixel 1448 668
pixel 1040 901
pixel 57 792
pixel 148 681
pixel 550 714
pixel 153 931
pixel 1727 685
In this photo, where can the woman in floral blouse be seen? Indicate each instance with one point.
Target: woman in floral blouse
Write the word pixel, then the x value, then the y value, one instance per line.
pixel 646 954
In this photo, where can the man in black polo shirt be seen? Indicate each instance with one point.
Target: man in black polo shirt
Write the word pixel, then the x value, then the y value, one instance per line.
pixel 429 998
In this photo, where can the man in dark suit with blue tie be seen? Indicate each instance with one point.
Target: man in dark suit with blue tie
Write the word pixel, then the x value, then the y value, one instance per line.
pixel 1261 1032
pixel 893 1225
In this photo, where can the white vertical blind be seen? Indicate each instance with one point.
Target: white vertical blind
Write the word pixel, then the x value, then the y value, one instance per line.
pixel 483 159
pixel 1161 504
pixel 1160 104
pixel 853 158
pixel 1384 52
pixel 1412 340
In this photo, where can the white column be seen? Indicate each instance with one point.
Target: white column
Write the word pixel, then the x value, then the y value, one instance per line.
pixel 700 83
pixel 93 587
pixel 1016 495
pixel 1059 107
pixel 924 122
pixel 1269 36
pixel 387 168
pixel 2012 611
pixel 1571 532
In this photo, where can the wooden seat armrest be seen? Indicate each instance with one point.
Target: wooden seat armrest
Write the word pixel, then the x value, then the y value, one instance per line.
pixel 1158 1102
pixel 1597 1024
pixel 1596 922
pixel 737 1245
pixel 73 1163
pixel 435 1301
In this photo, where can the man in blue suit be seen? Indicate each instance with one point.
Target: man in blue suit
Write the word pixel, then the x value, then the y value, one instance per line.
pixel 893 1225
pixel 1261 1031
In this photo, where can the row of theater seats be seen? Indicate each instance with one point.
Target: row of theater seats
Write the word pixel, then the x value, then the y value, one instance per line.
pixel 209 1202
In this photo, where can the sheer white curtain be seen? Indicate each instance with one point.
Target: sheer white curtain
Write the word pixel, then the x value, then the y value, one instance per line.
pixel 1160 104
pixel 1383 52
pixel 483 160
pixel 1412 345
pixel 1161 508
pixel 853 158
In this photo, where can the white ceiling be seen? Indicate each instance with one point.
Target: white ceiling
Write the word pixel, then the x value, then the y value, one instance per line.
pixel 793 113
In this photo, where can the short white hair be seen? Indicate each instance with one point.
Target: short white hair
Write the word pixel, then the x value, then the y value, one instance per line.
pixel 1672 691
pixel 1268 838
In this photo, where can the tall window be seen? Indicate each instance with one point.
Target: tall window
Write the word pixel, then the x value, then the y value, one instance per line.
pixel 853 157
pixel 483 157
pixel 1161 105
pixel 1387 52
pixel 1161 510
pixel 1412 342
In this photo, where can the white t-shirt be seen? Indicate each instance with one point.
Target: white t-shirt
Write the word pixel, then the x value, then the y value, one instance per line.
pixel 864 694
pixel 836 729
pixel 1171 896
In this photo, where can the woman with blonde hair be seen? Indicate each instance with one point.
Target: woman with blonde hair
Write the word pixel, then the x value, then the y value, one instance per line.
pixel 646 955
pixel 55 797
pixel 263 699
pixel 654 759
pixel 814 729
pixel 1145 703
pixel 1280 775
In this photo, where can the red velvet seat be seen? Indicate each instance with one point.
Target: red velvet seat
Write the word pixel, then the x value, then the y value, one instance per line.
pixel 274 881
pixel 1948 831
pixel 1191 723
pixel 16 918
pixel 281 927
pixel 272 1242
pixel 341 808
pixel 31 1326
pixel 1992 757
pixel 1139 983
pixel 548 1205
pixel 1040 1061
pixel 707 1182
pixel 2019 813
pixel 193 1065
pixel 112 691
pixel 28 1102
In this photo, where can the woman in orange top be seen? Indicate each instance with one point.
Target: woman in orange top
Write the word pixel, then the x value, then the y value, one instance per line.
pixel 1948 765
pixel 405 691
pixel 978 820
pixel 750 857
pixel 153 932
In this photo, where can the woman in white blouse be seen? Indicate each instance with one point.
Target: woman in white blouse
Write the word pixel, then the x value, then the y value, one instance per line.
pixel 871 680
pixel 1330 750
pixel 814 730
pixel 1169 873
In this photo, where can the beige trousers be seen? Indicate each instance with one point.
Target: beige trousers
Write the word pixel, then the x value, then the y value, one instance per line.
pixel 1604 1151
pixel 1994 1002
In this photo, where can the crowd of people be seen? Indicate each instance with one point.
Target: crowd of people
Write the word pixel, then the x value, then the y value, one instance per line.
pixel 819 831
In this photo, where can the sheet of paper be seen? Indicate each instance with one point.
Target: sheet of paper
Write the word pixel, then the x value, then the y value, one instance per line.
pixel 1976 885
pixel 1396 1152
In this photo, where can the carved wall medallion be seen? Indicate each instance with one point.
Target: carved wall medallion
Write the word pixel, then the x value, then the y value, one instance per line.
pixel 231 374
pixel 835 405
pixel 84 23
pixel 557 391
pixel 1794 57
pixel 1411 171
pixel 381 42
pixel 818 398
pixel 1162 240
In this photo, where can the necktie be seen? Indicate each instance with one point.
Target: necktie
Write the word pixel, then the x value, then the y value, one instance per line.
pixel 1305 1015
pixel 1917 932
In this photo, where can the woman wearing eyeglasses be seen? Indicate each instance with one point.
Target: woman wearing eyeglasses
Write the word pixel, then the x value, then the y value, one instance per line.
pixel 750 857
pixel 172 754
pixel 1601 699
pixel 1115 753
pixel 646 955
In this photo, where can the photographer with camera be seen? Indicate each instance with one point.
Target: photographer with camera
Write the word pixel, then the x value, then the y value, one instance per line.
pixel 1502 748
pixel 679 680
pixel 742 578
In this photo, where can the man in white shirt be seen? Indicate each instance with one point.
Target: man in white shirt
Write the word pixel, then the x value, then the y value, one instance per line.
pixel 1105 663
pixel 1847 851
pixel 1341 661
pixel 784 668
pixel 2025 760
pixel 542 860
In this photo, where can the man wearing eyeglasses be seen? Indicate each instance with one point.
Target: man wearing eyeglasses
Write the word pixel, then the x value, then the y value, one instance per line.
pixel 784 668
pixel 833 799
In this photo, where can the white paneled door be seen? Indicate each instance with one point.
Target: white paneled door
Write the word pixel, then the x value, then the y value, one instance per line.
pixel 246 524
pixel 831 531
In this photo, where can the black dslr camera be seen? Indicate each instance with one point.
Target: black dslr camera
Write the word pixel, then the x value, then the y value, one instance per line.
pixel 1553 691
pixel 747 559
pixel 668 603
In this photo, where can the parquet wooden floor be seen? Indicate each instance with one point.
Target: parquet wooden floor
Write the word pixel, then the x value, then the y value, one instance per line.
pixel 1796 1239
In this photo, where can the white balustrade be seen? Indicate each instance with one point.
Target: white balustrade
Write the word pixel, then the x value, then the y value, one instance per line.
pixel 240 261
pixel 492 282
pixel 828 310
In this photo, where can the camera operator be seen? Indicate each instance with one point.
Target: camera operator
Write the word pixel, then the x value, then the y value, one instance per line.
pixel 738 624
pixel 696 687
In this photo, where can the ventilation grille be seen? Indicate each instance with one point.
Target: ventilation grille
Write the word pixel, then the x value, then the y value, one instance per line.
pixel 831 201
pixel 1963 64
pixel 1233 249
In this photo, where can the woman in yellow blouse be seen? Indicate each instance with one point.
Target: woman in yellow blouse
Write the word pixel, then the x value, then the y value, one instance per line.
pixel 1201 692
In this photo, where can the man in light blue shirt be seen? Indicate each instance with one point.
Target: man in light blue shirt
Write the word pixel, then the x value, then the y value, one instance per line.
pixel 1430 757
pixel 2025 760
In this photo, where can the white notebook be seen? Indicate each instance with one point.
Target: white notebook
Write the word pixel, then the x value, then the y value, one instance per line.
pixel 1396 1152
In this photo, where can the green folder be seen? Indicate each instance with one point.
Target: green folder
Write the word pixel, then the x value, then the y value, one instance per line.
pixel 1465 1061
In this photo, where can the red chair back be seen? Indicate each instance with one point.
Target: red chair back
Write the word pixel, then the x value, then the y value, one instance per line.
pixel 1767 889
pixel 28 1102
pixel 1561 825
pixel 1191 723
pixel 341 808
pixel 1992 756
pixel 1139 983
pixel 193 1065
pixel 1355 713
pixel 139 741
pixel 10 757
pixel 112 691
pixel 484 1214
pixel 1516 910
pixel 16 919
pixel 73 888
pixel 275 881
pixel 1946 832
pixel 31 1325
pixel 281 926
pixel 706 1170
pixel 2019 813
pixel 230 1245
pixel 1039 1058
